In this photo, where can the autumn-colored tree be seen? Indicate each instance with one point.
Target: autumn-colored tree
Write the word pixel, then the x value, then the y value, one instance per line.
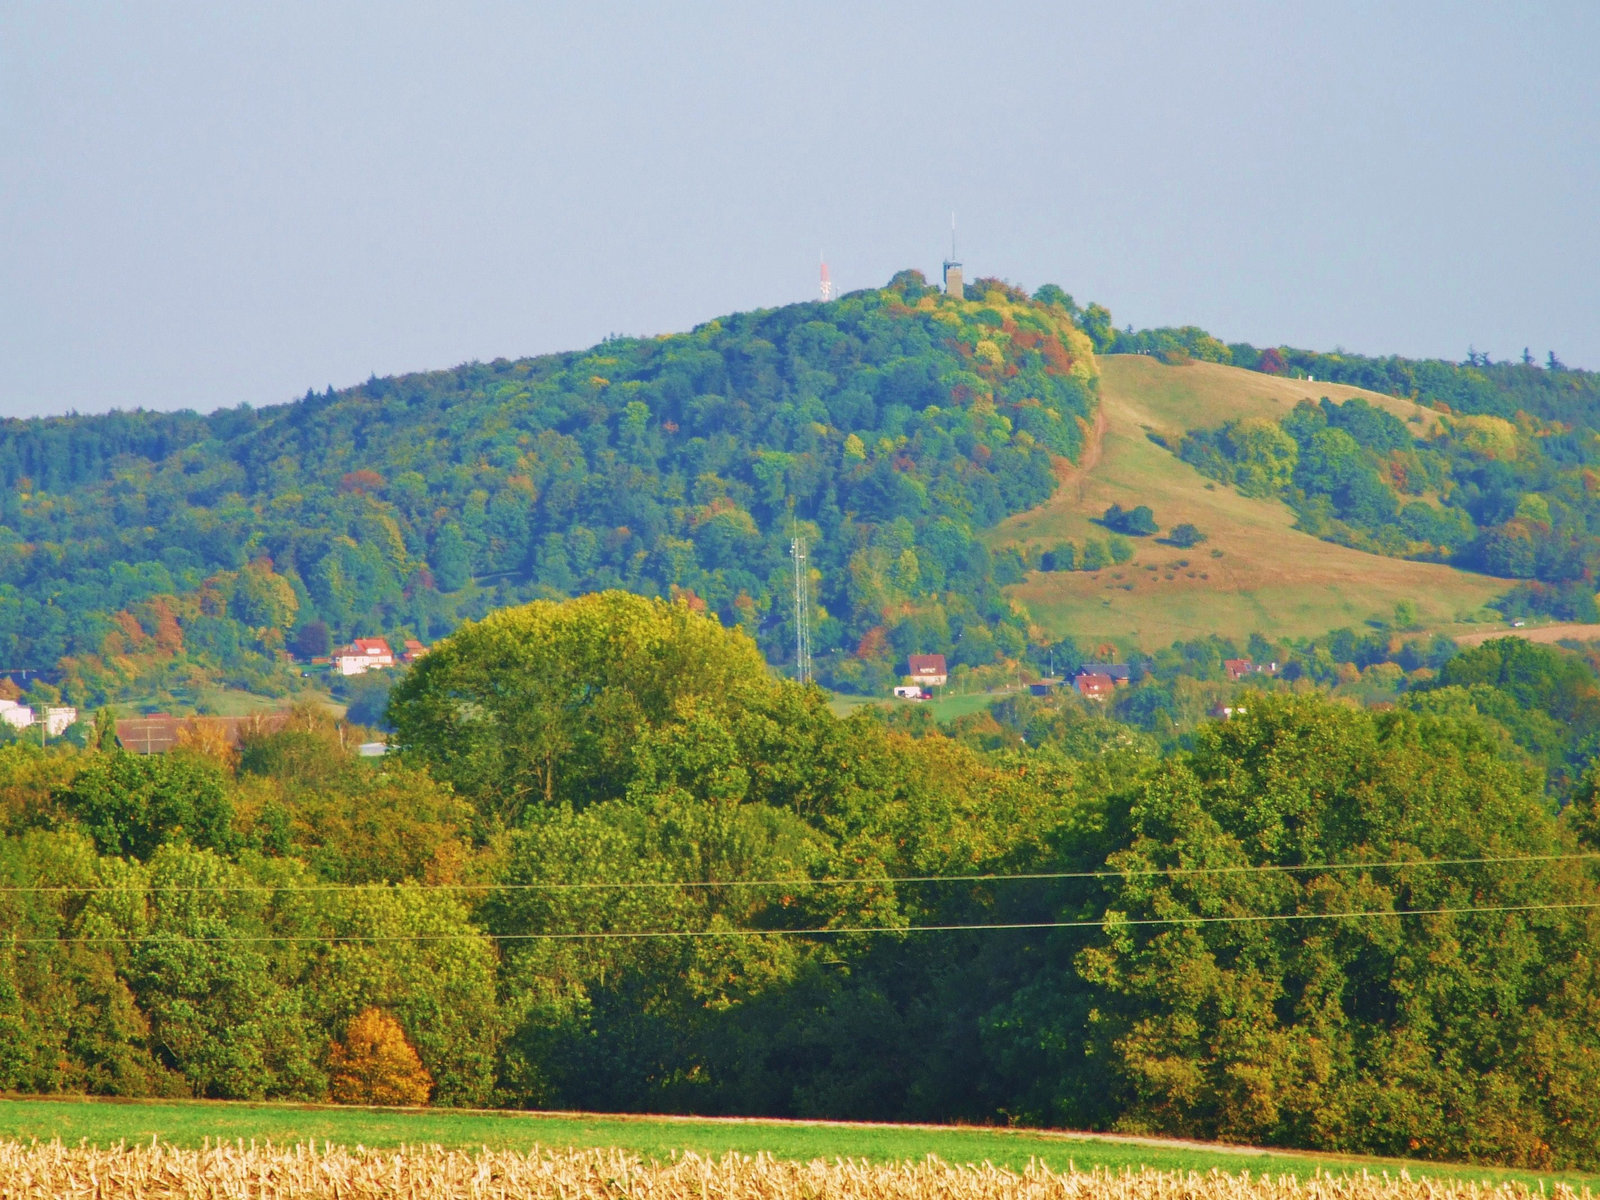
pixel 209 739
pixel 1271 362
pixel 376 1065
pixel 361 481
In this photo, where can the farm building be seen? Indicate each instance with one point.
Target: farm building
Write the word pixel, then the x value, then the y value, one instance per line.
pixel 161 732
pixel 927 669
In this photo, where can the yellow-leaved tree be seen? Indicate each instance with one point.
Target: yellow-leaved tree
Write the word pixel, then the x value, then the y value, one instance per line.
pixel 376 1065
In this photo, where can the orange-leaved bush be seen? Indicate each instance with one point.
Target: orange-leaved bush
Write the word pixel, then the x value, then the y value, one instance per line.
pixel 376 1065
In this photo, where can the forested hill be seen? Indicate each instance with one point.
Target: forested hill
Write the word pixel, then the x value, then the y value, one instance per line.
pixel 142 551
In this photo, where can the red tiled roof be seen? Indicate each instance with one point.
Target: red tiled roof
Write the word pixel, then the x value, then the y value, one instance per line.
pixel 1095 685
pixel 926 664
pixel 159 732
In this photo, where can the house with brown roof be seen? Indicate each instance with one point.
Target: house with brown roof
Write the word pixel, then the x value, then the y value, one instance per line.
pixel 1237 668
pixel 1118 673
pixel 927 669
pixel 412 651
pixel 161 732
pixel 1094 686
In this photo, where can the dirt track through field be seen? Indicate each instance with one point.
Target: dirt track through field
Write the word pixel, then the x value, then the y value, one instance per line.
pixel 1077 474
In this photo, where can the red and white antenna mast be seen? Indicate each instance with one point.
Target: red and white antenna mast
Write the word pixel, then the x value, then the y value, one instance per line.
pixel 827 284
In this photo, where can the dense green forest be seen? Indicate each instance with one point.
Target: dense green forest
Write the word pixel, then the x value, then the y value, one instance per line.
pixel 1504 482
pixel 1314 925
pixel 887 428
pixel 150 556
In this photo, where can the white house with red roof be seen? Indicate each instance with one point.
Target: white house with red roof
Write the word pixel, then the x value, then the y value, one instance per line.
pixel 363 655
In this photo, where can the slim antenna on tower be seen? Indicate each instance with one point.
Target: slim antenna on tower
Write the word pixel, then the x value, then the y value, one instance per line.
pixel 952 266
pixel 802 607
pixel 827 284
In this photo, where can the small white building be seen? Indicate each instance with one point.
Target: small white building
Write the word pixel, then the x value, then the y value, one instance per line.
pixel 22 716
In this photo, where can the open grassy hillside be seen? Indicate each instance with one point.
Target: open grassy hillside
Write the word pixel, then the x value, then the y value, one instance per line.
pixel 1256 571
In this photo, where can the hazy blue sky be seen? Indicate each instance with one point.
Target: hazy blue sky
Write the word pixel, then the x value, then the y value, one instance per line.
pixel 208 204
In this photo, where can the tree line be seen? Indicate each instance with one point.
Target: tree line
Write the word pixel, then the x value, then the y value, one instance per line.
pixel 1314 924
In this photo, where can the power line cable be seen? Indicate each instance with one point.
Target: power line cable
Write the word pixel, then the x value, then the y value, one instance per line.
pixel 641 934
pixel 800 881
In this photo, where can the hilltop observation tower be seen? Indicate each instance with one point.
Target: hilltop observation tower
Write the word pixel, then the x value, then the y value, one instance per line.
pixel 952 266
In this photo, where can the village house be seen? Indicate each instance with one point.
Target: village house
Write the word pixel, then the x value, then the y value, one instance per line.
pixel 18 716
pixel 363 655
pixel 1094 687
pixel 1118 673
pixel 57 718
pixel 1238 668
pixel 411 651
pixel 927 669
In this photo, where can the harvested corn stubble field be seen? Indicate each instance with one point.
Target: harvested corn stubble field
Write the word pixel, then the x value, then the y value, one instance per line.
pixel 38 1170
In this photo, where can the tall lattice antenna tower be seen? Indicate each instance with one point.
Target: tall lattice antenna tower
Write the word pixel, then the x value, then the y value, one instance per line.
pixel 827 284
pixel 802 608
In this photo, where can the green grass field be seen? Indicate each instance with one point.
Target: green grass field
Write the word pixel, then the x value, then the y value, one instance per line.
pixel 944 707
pixel 1256 572
pixel 224 702
pixel 190 1123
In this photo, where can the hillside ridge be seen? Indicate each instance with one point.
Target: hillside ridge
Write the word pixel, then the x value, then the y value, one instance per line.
pixel 887 428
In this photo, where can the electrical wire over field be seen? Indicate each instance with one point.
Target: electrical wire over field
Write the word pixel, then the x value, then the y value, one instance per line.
pixel 1105 920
